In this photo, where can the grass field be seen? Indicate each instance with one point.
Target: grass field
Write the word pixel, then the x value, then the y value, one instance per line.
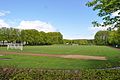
pixel 23 61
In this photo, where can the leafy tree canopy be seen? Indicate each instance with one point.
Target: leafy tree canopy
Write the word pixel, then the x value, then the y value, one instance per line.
pixel 106 8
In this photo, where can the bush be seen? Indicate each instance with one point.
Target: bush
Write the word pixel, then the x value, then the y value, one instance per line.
pixel 44 74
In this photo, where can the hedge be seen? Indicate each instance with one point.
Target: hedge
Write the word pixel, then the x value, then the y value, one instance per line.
pixel 45 74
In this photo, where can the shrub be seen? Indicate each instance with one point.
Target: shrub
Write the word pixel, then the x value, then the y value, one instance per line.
pixel 45 74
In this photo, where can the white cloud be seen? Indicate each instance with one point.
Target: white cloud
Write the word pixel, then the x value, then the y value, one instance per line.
pixel 38 25
pixel 3 13
pixel 89 34
pixel 3 23
pixel 94 29
pixel 116 13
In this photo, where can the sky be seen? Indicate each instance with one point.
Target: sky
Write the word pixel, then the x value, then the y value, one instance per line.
pixel 70 17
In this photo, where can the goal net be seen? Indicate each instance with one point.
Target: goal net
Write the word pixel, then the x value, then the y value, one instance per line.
pixel 15 46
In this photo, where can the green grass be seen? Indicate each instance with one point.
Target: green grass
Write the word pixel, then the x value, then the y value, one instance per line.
pixel 22 61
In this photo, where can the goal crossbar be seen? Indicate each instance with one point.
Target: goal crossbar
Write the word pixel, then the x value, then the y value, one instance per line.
pixel 15 46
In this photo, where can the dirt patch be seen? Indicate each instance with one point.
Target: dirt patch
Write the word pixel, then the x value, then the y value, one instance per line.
pixel 82 57
pixel 5 58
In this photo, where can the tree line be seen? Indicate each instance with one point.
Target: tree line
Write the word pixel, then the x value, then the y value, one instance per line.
pixel 30 37
pixel 108 37
pixel 79 42
pixel 105 9
pixel 34 37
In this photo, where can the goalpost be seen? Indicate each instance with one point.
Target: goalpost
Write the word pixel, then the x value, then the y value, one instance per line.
pixel 15 46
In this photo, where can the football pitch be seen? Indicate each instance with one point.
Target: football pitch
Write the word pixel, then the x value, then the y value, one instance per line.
pixel 49 57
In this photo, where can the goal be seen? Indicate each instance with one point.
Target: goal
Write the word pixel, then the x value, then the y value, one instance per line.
pixel 15 46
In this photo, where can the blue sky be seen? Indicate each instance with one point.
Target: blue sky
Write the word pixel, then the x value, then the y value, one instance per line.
pixel 71 17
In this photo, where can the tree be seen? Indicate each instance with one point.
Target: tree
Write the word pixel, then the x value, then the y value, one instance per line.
pixel 67 41
pixel 79 41
pixel 106 8
pixel 113 38
pixel 83 42
pixel 118 36
pixel 101 37
pixel 30 36
pixel 107 38
pixel 55 37
pixel 43 39
pixel 3 34
pixel 13 35
pixel 9 35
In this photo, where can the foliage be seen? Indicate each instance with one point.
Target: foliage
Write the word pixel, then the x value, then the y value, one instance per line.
pixel 113 38
pixel 79 41
pixel 9 34
pixel 101 37
pixel 55 38
pixel 47 74
pixel 106 8
pixel 107 38
pixel 30 37
pixel 118 35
